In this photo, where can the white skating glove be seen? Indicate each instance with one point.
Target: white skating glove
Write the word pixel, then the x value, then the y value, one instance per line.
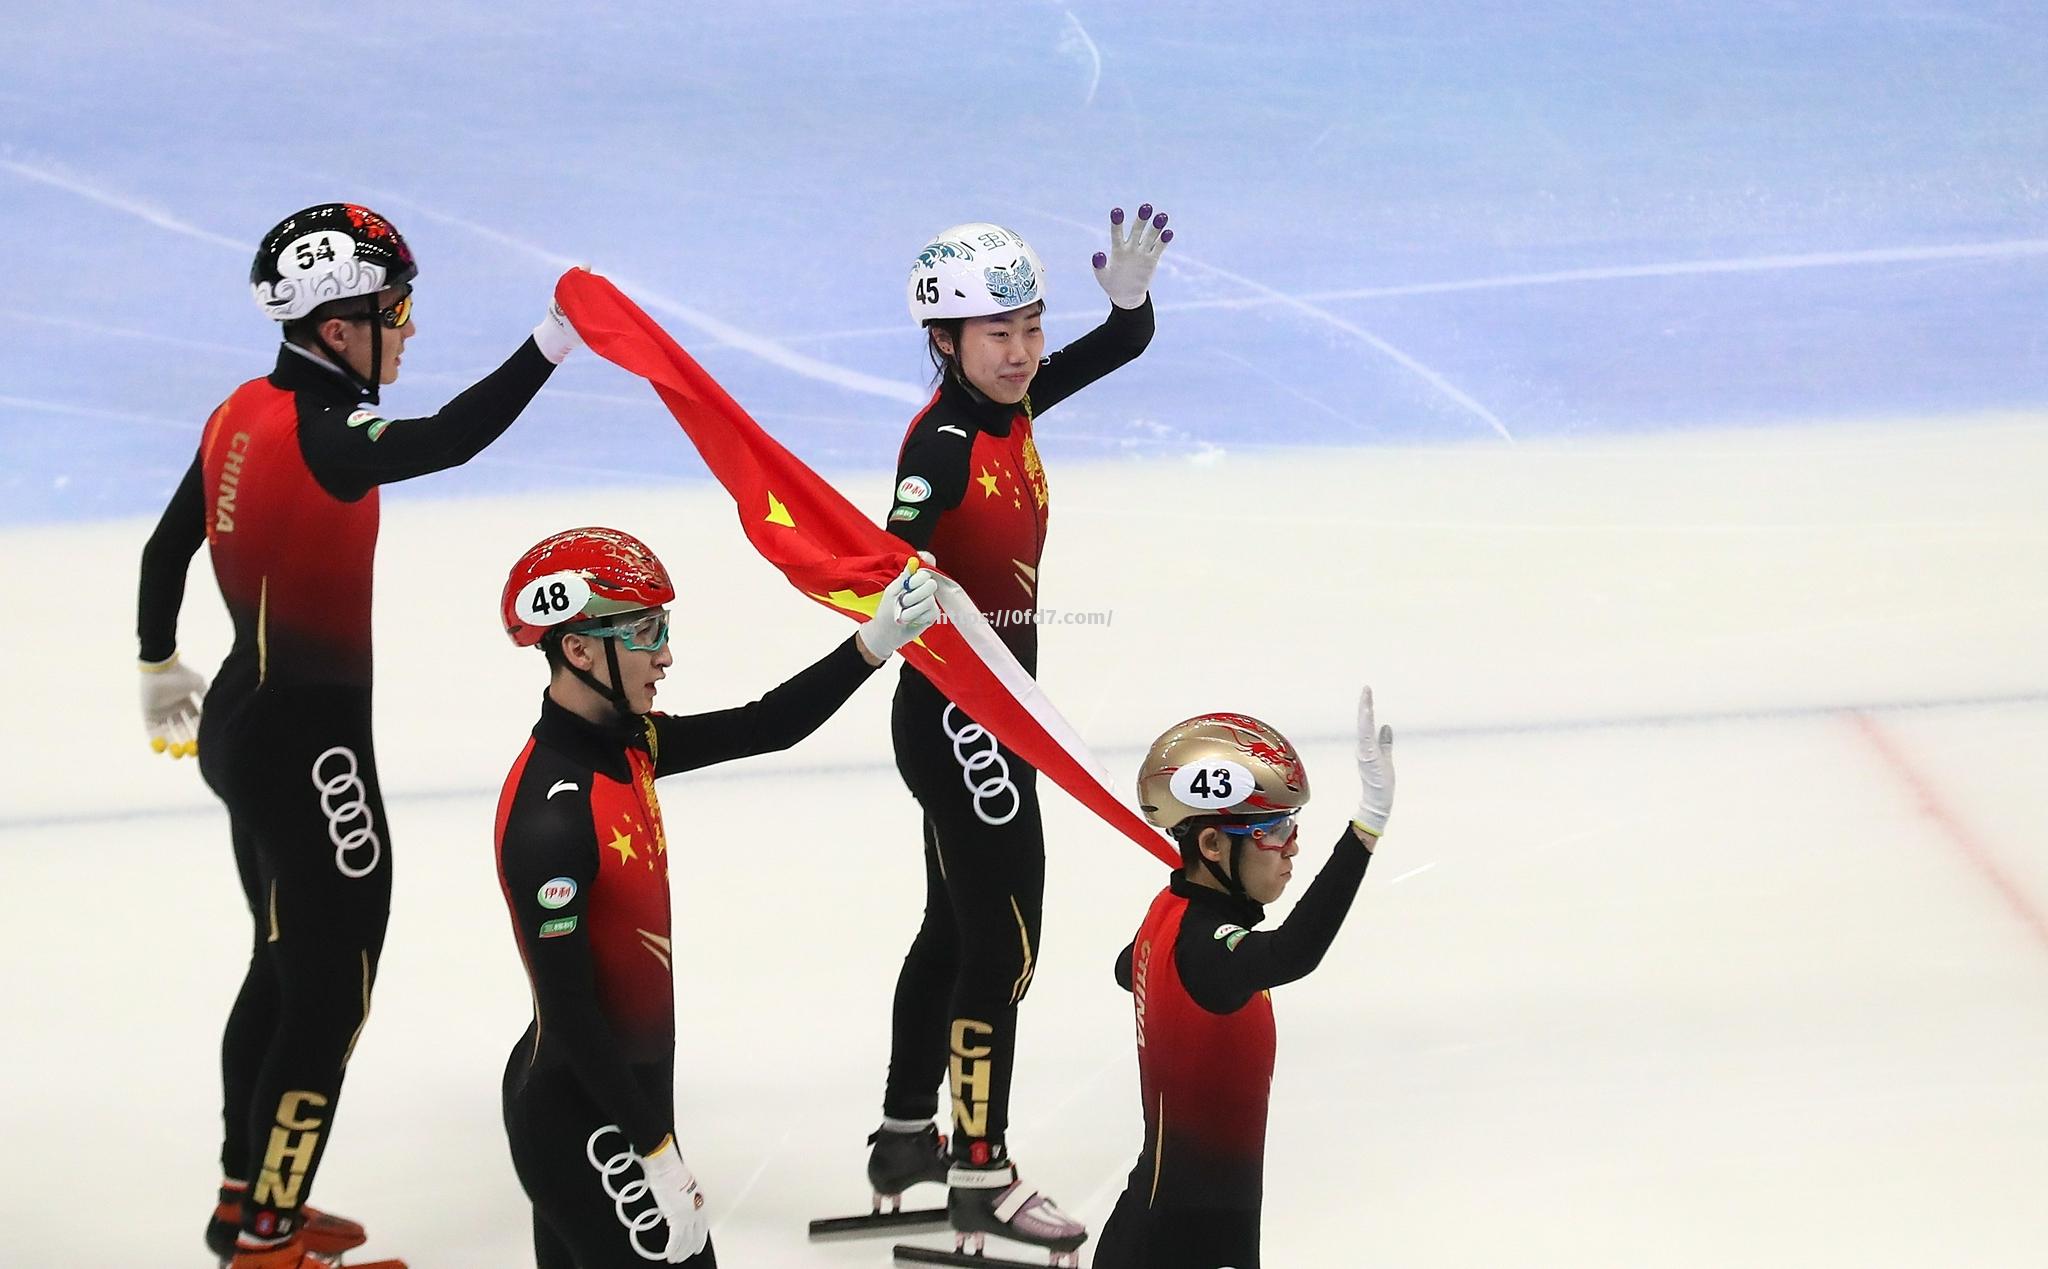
pixel 1375 771
pixel 171 697
pixel 556 338
pixel 682 1206
pixel 1125 272
pixel 909 606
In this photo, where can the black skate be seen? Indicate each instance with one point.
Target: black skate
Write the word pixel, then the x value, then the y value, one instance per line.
pixel 990 1199
pixel 898 1161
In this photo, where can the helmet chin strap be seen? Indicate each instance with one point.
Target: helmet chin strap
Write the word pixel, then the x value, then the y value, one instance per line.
pixel 375 382
pixel 960 373
pixel 1231 884
pixel 366 388
pixel 613 694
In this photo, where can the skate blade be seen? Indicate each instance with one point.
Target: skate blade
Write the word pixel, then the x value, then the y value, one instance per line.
pixel 878 1223
pixel 908 1255
pixel 337 1261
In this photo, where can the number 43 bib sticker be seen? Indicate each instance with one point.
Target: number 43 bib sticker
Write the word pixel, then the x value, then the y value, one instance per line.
pixel 554 599
pixel 1212 785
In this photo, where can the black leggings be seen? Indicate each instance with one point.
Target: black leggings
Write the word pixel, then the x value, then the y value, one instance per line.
pixel 591 1209
pixel 299 777
pixel 1139 1236
pixel 972 960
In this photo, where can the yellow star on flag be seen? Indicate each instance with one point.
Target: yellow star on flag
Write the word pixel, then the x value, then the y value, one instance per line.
pixel 623 844
pixel 866 606
pixel 849 601
pixel 987 483
pixel 779 514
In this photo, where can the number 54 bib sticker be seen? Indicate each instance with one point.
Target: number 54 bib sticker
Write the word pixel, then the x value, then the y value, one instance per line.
pixel 554 599
pixel 1212 785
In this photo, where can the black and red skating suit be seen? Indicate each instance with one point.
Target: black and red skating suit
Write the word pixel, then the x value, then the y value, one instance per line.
pixel 1200 977
pixel 583 860
pixel 970 489
pixel 284 490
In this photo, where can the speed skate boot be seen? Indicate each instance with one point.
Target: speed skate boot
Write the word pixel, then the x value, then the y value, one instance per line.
pixel 902 1159
pixel 988 1198
pixel 294 1253
pixel 905 1153
pixel 328 1237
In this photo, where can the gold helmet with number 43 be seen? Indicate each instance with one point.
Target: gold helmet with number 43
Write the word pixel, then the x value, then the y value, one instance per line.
pixel 1229 765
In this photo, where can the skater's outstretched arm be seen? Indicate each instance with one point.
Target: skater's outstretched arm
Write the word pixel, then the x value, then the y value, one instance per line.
pixel 1222 967
pixel 351 450
pixel 1124 334
pixel 1222 972
pixel 786 715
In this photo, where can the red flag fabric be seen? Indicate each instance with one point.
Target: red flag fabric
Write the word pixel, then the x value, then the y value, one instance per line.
pixel 838 557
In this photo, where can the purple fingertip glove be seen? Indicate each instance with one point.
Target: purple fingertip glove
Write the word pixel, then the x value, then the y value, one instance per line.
pixel 1125 271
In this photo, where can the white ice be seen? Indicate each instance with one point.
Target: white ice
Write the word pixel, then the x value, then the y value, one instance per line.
pixel 1708 931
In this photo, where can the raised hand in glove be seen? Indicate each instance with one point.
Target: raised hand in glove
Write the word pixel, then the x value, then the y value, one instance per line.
pixel 910 604
pixel 171 697
pixel 1125 271
pixel 676 1195
pixel 555 337
pixel 1375 771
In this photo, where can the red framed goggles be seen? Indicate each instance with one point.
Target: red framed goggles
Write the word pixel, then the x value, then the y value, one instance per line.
pixel 1274 833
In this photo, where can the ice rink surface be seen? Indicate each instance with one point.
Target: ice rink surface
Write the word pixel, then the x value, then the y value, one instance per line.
pixel 1650 401
pixel 1709 929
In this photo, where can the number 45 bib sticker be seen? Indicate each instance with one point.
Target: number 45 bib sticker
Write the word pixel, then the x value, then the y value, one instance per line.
pixel 1213 785
pixel 554 599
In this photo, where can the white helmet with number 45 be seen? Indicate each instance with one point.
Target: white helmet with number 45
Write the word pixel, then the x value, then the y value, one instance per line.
pixel 974 270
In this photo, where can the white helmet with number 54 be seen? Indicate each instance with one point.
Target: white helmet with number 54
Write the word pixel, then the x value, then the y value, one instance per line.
pixel 974 270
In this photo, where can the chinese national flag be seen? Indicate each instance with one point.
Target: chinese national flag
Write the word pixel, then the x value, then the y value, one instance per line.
pixel 838 557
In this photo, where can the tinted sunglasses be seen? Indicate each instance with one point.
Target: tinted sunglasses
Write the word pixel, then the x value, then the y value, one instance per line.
pixel 392 318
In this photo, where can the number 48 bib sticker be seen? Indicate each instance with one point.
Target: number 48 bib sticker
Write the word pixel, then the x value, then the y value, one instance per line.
pixel 1212 785
pixel 554 599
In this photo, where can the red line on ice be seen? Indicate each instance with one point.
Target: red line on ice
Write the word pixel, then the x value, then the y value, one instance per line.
pixel 1958 833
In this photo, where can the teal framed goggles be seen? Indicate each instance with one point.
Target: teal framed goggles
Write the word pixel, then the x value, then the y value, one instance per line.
pixel 647 632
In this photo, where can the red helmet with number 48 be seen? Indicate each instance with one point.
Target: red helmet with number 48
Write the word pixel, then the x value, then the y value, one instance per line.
pixel 580 575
